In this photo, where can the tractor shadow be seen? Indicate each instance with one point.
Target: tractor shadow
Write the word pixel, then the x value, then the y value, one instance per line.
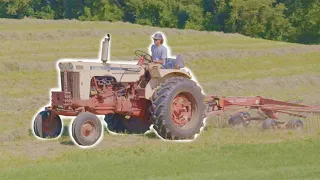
pixel 65 137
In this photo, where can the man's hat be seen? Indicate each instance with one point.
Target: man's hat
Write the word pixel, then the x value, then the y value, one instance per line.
pixel 157 36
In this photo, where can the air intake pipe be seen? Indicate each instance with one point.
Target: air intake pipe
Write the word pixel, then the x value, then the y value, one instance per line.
pixel 105 49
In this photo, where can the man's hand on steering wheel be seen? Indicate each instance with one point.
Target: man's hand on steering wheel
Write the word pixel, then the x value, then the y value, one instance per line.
pixel 143 54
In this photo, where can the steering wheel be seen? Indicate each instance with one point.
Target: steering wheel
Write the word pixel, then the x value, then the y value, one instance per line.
pixel 143 54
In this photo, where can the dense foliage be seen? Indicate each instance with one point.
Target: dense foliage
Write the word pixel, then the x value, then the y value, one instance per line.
pixel 285 20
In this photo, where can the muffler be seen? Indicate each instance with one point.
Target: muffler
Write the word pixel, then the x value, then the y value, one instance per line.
pixel 105 49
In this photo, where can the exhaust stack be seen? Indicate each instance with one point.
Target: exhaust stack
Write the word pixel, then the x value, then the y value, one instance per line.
pixel 105 49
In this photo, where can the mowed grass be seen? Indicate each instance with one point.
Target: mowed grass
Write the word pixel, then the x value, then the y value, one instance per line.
pixel 255 68
pixel 122 45
pixel 27 83
pixel 229 63
pixel 26 40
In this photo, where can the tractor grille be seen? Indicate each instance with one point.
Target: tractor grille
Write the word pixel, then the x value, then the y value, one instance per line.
pixel 73 82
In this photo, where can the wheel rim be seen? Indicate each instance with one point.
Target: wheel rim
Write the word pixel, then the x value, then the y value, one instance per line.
pixel 181 110
pixel 88 129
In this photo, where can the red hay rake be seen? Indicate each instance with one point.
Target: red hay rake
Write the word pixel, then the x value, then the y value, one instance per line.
pixel 268 110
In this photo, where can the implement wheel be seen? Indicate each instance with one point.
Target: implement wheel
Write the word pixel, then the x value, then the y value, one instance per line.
pixel 239 119
pixel 45 127
pixel 269 124
pixel 86 129
pixel 177 109
pixel 295 124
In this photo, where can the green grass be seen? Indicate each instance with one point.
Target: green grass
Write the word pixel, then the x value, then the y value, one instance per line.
pixel 219 153
pixel 297 160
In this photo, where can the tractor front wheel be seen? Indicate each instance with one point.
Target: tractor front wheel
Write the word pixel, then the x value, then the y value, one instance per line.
pixel 177 109
pixel 86 129
pixel 46 127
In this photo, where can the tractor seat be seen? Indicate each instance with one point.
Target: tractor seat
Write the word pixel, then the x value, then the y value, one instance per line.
pixel 172 63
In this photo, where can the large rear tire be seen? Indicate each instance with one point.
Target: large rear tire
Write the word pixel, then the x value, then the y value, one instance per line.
pixel 177 109
pixel 86 129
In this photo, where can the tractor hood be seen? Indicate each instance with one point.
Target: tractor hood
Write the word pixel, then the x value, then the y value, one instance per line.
pixel 77 66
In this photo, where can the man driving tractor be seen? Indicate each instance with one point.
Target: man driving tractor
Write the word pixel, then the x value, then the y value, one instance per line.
pixel 159 53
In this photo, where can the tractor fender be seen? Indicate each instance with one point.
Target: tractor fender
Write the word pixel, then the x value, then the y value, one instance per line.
pixel 164 75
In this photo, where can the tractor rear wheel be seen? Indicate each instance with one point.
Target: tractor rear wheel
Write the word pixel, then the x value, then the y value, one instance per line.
pixel 177 109
pixel 119 124
pixel 86 129
pixel 45 127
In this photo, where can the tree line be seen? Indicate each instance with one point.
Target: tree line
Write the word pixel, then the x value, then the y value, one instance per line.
pixel 283 20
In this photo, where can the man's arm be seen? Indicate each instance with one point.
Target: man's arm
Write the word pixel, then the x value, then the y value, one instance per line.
pixel 159 61
pixel 164 55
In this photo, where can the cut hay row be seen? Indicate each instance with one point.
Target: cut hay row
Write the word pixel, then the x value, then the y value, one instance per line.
pixel 8 63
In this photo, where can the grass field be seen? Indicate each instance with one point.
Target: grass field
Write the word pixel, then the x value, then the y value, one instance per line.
pixel 224 64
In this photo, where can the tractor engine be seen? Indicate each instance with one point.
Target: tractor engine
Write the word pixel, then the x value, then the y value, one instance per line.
pixel 124 97
pixel 104 89
pixel 106 95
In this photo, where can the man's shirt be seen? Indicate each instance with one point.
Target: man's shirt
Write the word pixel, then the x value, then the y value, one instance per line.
pixel 158 53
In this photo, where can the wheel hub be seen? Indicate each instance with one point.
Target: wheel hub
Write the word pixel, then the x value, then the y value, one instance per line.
pixel 88 128
pixel 181 111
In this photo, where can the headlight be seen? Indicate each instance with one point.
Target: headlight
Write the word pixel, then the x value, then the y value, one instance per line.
pixel 60 65
pixel 70 66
